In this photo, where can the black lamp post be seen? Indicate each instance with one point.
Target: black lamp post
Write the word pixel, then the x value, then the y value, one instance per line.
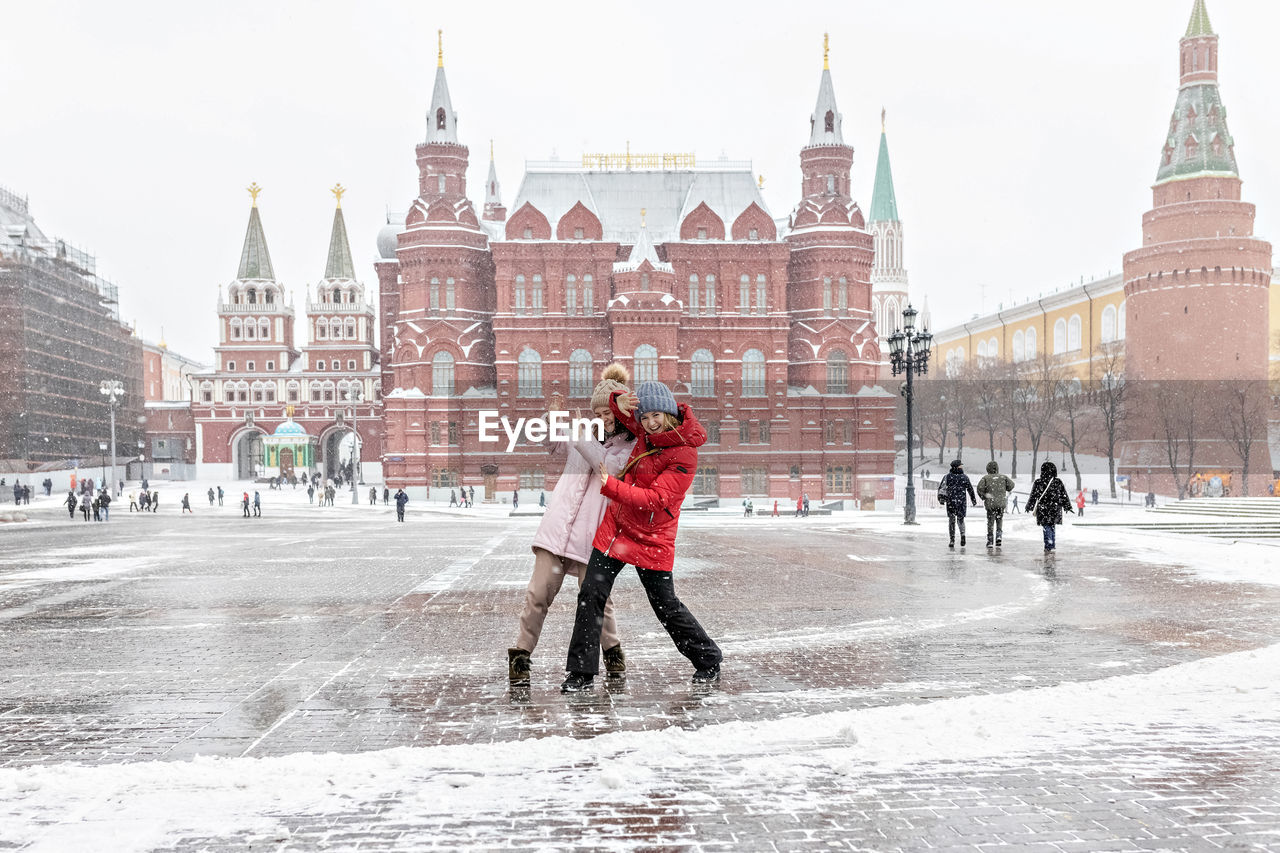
pixel 909 353
pixel 102 445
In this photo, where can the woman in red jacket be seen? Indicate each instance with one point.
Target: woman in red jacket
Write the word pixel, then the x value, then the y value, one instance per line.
pixel 640 528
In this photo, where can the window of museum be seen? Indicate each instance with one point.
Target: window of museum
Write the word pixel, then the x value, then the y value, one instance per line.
pixel 580 384
pixel 231 367
pixel 433 298
pixel 271 365
pixel 646 363
pixel 764 432
pixel 837 372
pixel 693 295
pixel 453 432
pixel 588 295
pixel 293 394
pixel 435 432
pixel 1073 334
pixel 571 295
pixel 444 479
pixel 519 294
pixel 320 365
pixel 529 374
pixel 577 234
pixel 448 295
pixel 744 432
pixel 702 233
pixel 528 233
pixel 713 431
pixel 322 330
pixel 351 364
pixel 207 396
pixel 537 294
pixel 703 374
pixel 753 373
pixel 826 294
pixel 762 294
pixel 442 374
pixel 235 329
pixel 533 479
pixel 250 331
pixel 706 481
pixel 839 479
pixel 744 294
pixel 709 303
pixel 831 184
pixel 1059 337
pixel 753 234
pixel 842 296
pixel 755 481
pixel 250 366
pixel 440 184
pixel 795 472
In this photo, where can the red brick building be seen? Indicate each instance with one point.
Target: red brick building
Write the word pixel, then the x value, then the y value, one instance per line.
pixel 261 379
pixel 674 268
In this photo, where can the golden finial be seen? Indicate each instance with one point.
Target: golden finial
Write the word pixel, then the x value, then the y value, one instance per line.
pixel 491 149
pixel 761 178
pixel 338 191
pixel 825 65
pixel 288 410
pixel 162 343
pixel 439 48
pixel 642 213
pixel 254 189
pixel 882 119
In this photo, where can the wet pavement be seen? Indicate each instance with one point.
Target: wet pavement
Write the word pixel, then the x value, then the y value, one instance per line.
pixel 319 630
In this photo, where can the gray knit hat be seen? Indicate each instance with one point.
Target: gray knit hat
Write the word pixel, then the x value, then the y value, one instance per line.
pixel 613 378
pixel 656 397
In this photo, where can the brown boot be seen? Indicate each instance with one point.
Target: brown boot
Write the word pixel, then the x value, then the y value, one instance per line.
pixel 518 666
pixel 615 662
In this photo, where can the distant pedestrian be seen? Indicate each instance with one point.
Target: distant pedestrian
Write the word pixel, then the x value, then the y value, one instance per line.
pixel 471 496
pixel 401 500
pixel 311 494
pixel 386 495
pixel 1015 503
pixel 71 504
pixel 1095 497
pixel 1048 499
pixel 373 496
pixel 211 496
pixel 219 495
pixel 799 507
pixel 806 506
pixel 453 498
pixel 515 499
pixel 155 500
pixel 244 504
pixel 952 491
pixel 542 499
pixel 186 503
pixel 97 509
pixel 257 504
pixel 775 509
pixel 104 500
pixel 994 489
pixel 85 505
pixel 1080 503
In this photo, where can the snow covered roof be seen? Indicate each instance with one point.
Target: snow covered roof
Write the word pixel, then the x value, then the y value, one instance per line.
pixel 616 197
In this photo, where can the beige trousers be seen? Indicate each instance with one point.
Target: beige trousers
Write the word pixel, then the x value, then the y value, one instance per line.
pixel 548 574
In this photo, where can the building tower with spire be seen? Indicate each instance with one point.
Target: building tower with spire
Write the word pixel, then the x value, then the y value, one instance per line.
pixel 1197 292
pixel 888 272
pixel 493 209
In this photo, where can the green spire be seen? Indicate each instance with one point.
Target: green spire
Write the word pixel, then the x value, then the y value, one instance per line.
pixel 339 264
pixel 884 204
pixel 255 260
pixel 1199 24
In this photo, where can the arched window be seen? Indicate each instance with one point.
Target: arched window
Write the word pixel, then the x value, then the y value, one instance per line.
pixel 1108 324
pixel 529 375
pixel 335 328
pixel 646 364
pixel 250 330
pixel 1120 321
pixel 982 349
pixel 891 315
pixel 442 374
pixel 440 119
pixel 703 374
pixel 710 293
pixel 322 330
pixel 830 121
pixel 337 295
pixel 270 296
pixel 762 294
pixel 588 295
pixel 1032 342
pixel 1073 333
pixel 826 293
pixel 350 328
pixel 1018 343
pixel 433 295
pixel 580 374
pixel 837 372
pixel 448 295
pixel 1059 337
pixel 693 295
pixel 537 294
pixel 744 294
pixel 993 348
pixel 253 296
pixel 842 295
pixel 236 328
pixel 752 373
pixel 519 294
pixel 264 328
pixel 571 295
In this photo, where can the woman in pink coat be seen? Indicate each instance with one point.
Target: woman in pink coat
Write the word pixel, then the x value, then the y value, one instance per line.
pixel 562 544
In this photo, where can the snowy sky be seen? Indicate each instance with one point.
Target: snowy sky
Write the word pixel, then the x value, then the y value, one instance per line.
pixel 1024 136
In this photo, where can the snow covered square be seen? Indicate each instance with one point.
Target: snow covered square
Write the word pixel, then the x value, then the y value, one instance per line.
pixel 325 678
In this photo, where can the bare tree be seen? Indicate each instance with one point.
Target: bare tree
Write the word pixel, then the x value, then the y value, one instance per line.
pixel 935 414
pixel 1071 423
pixel 1177 424
pixel 1037 398
pixel 987 397
pixel 960 400
pixel 1243 420
pixel 1109 397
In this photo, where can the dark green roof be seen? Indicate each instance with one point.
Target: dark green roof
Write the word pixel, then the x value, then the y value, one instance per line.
pixel 884 205
pixel 1198 141
pixel 339 264
pixel 1199 24
pixel 255 260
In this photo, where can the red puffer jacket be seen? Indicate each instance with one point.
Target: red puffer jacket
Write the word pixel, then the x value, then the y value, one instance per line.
pixel 644 507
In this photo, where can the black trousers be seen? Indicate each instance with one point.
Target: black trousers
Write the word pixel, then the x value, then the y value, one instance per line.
pixel 584 649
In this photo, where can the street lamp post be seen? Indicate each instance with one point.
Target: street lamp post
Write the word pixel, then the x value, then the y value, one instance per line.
pixel 113 390
pixel 102 445
pixel 909 353
pixel 142 460
pixel 353 395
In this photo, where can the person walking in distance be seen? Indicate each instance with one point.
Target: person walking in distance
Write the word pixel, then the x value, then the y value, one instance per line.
pixel 562 544
pixel 386 495
pixel 211 496
pixel 373 496
pixel 257 504
pixel 219 495
pixel 640 527
pixel 401 500
pixel 1080 503
pixel 155 500
pixel 244 504
pixel 951 494
pixel 994 489
pixel 1048 499
pixel 515 499
pixel 186 502
pixel 71 504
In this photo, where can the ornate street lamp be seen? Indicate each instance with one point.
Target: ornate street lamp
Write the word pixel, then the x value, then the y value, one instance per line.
pixel 113 390
pixel 353 397
pixel 909 353
pixel 102 445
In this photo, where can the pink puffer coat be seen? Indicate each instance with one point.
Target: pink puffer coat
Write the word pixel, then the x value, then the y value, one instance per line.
pixel 577 507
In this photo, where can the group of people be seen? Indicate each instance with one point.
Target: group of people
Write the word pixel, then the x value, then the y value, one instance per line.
pixel 469 498
pixel 96 503
pixel 1048 499
pixel 22 493
pixel 617 502
pixel 146 500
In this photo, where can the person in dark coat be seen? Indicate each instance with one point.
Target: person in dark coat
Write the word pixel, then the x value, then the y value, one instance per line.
pixel 386 495
pixel 515 499
pixel 186 502
pixel 1048 499
pixel 401 500
pixel 994 489
pixel 71 504
pixel 951 494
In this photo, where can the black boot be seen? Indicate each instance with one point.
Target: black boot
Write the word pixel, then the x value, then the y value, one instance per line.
pixel 961 540
pixel 576 682
pixel 615 662
pixel 518 666
pixel 710 675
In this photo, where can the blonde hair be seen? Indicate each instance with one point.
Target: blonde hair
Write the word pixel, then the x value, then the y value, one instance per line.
pixel 669 421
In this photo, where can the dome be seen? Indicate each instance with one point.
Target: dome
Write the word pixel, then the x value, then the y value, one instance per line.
pixel 387 240
pixel 289 428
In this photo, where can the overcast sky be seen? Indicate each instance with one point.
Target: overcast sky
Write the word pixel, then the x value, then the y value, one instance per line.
pixel 1024 136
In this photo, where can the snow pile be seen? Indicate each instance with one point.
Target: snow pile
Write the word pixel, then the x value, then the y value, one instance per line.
pixel 137 806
